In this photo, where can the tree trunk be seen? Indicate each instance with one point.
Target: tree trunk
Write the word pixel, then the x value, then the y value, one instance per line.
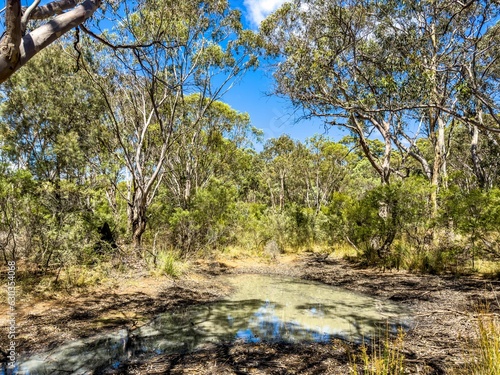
pixel 439 165
pixel 476 159
pixel 386 161
pixel 391 217
pixel 282 189
pixel 137 218
pixel 138 229
pixel 11 41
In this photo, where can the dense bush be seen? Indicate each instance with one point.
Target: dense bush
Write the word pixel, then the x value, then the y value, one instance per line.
pixel 209 221
pixel 390 220
pixel 48 224
pixel 474 216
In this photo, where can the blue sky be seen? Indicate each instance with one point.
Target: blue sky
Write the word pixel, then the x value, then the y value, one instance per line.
pixel 273 115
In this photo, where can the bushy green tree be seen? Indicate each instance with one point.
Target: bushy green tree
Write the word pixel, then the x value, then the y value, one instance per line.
pixel 474 214
pixel 388 213
pixel 208 223
pixel 47 129
pixel 163 98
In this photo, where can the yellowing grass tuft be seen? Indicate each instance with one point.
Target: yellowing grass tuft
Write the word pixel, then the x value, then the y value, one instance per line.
pixel 488 267
pixel 488 361
pixel 341 251
pixel 169 263
pixel 383 358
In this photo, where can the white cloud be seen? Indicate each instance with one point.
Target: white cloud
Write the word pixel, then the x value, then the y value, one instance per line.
pixel 260 9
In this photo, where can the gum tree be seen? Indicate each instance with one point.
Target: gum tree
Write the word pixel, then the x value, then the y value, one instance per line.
pixel 192 54
pixel 398 71
pixel 49 119
pixel 327 67
pixel 204 149
pixel 444 75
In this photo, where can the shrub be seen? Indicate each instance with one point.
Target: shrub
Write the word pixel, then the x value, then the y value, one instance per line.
pixel 209 221
pixel 475 215
pixel 388 215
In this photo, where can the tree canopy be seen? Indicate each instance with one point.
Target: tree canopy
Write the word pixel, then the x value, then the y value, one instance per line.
pixel 127 143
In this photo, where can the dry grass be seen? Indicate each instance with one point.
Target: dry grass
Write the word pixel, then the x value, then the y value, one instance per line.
pixel 488 267
pixel 343 251
pixel 487 347
pixel 383 357
pixel 240 252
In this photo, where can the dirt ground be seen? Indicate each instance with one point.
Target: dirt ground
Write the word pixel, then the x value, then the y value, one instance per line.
pixel 444 308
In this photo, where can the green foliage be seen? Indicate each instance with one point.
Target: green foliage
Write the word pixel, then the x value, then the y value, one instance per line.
pixel 169 263
pixel 208 221
pixel 388 213
pixel 145 145
pixel 52 202
pixel 252 227
pixel 165 123
pixel 340 206
pixel 300 226
pixel 474 214
pixel 38 127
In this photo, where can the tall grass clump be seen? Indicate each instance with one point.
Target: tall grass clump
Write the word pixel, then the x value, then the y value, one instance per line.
pixel 169 263
pixel 488 346
pixel 383 357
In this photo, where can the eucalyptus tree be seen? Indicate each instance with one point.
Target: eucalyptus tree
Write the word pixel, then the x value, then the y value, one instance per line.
pixel 192 54
pixel 478 103
pixel 478 168
pixel 392 70
pixel 328 168
pixel 205 148
pixel 329 65
pixel 49 117
pixel 443 73
pixel 280 157
pixel 305 174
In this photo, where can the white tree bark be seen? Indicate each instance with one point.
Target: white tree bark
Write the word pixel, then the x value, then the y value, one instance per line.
pixel 16 50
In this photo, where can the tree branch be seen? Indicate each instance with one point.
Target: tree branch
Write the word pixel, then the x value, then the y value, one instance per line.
pixel 125 46
pixel 40 38
pixel 50 9
pixel 16 52
pixel 26 14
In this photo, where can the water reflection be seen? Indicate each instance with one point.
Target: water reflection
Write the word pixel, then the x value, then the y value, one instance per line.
pixel 297 310
pixel 262 308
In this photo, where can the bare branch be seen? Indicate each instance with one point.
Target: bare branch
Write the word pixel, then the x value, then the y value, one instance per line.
pixel 125 46
pixel 26 14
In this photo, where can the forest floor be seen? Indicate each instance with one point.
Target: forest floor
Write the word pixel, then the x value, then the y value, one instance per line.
pixel 445 310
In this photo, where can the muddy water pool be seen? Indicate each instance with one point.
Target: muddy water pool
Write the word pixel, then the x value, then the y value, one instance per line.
pixel 260 308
